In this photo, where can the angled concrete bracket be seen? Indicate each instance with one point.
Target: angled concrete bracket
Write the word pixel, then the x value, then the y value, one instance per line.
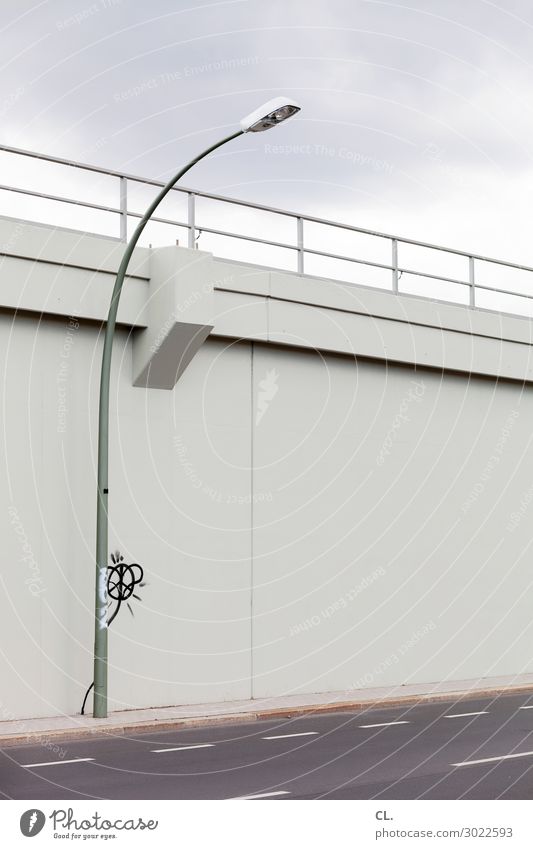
pixel 180 308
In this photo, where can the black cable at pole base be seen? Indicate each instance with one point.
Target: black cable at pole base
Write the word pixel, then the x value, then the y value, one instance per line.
pixel 85 699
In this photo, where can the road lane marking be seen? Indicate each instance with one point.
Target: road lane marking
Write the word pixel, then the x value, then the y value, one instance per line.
pixel 55 763
pixel 492 760
pixel 384 724
pixel 526 707
pixel 261 795
pixel 284 736
pixel 184 748
pixel 458 715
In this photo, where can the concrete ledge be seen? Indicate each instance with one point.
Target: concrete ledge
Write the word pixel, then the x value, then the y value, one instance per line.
pixel 412 309
pixel 175 298
pixel 120 723
pixel 49 271
pixel 70 248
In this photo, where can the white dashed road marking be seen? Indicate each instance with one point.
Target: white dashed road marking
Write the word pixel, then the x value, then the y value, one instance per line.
pixel 284 736
pixel 385 724
pixel 262 795
pixel 492 760
pixel 458 715
pixel 56 763
pixel 184 748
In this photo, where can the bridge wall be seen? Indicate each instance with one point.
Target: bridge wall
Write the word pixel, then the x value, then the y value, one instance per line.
pixel 334 494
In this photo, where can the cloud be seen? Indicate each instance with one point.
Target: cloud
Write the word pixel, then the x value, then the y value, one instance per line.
pixel 416 116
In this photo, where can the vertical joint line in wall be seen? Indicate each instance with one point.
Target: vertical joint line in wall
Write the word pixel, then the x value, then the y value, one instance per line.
pixel 42 534
pixel 252 519
pixel 268 305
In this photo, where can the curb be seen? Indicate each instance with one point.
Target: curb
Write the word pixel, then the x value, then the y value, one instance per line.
pixel 81 733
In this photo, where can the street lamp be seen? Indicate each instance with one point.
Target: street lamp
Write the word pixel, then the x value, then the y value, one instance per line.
pixel 269 115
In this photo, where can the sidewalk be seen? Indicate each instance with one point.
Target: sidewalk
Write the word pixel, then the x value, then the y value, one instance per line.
pixel 58 728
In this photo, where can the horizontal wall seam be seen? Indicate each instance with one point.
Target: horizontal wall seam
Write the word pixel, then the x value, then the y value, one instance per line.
pixel 382 317
pixel 131 275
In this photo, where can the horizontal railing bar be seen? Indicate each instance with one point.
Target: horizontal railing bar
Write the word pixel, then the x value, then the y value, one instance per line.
pixel 434 276
pixel 277 211
pixel 503 291
pixel 245 238
pixel 404 240
pixel 18 151
pixel 215 232
pixel 348 259
pixel 176 223
pixel 145 180
pixel 387 267
pixel 161 220
pixel 59 199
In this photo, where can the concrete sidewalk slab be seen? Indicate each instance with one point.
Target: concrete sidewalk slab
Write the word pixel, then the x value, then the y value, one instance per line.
pixel 62 728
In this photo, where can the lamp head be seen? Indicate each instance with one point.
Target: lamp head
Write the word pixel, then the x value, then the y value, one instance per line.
pixel 269 115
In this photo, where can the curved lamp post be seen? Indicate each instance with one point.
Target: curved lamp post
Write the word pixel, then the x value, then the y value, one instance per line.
pixel 269 115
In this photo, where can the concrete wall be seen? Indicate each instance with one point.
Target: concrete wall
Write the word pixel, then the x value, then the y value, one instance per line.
pixel 313 511
pixel 387 554
pixel 189 638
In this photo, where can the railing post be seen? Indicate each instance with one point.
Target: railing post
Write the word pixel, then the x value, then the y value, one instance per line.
pixel 472 281
pixel 300 243
pixel 191 220
pixel 123 209
pixel 395 277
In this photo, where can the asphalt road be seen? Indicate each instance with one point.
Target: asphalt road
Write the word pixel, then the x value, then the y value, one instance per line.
pixel 392 753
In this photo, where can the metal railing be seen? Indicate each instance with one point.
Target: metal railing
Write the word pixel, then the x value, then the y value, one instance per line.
pixel 299 247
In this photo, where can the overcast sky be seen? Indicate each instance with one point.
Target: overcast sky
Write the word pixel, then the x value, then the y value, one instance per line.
pixel 417 117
